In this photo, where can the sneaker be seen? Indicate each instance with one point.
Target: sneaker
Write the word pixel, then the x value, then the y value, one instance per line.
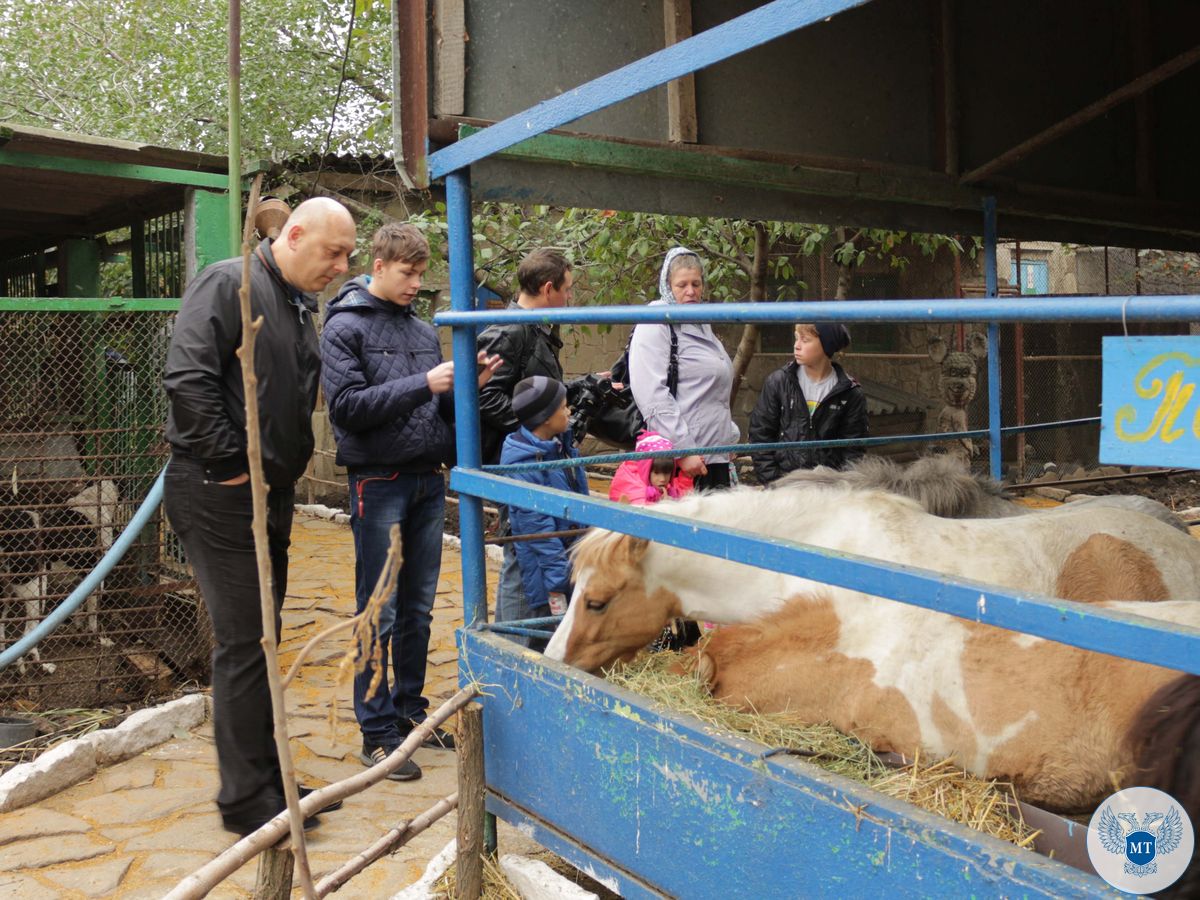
pixel 438 739
pixel 332 807
pixel 373 754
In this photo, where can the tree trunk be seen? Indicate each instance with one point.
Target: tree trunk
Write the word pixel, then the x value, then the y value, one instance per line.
pixel 758 292
pixel 845 272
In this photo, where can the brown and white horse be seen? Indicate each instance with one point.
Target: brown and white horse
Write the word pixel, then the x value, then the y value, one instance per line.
pixel 1057 721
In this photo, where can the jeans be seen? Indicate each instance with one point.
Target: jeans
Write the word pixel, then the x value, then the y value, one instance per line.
pixel 510 592
pixel 213 522
pixel 380 499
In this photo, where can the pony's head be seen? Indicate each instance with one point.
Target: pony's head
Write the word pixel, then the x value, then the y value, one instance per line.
pixel 612 613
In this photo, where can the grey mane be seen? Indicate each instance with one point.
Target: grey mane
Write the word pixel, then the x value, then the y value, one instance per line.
pixel 945 488
pixel 942 485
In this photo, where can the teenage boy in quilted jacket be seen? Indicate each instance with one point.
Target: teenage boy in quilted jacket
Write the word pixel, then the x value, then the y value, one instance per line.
pixel 389 400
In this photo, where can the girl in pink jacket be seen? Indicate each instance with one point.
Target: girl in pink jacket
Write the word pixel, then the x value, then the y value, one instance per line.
pixel 642 481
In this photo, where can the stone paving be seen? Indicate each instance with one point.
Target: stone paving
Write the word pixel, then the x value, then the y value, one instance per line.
pixel 136 828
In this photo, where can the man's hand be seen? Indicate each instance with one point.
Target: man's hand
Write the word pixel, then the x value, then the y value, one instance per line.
pixel 441 377
pixel 693 466
pixel 558 603
pixel 241 479
pixel 487 366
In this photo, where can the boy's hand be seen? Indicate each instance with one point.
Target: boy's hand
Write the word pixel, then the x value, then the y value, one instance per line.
pixel 441 377
pixel 693 466
pixel 487 366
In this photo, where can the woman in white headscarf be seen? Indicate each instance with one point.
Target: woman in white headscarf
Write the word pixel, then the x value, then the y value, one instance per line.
pixel 689 407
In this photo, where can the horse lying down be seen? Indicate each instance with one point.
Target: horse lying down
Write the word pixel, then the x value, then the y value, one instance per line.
pixel 945 487
pixel 1058 722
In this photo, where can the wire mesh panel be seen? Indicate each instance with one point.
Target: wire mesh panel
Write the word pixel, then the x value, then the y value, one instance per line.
pixel 81 443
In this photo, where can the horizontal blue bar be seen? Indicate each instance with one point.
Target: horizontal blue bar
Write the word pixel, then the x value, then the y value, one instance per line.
pixel 1147 308
pixel 783 445
pixel 712 46
pixel 1077 624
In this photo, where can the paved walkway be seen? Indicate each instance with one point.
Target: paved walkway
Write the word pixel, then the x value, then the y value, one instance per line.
pixel 138 827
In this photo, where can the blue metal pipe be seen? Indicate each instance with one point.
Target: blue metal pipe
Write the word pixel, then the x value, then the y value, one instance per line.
pixel 93 578
pixel 714 45
pixel 675 452
pixel 1077 624
pixel 466 393
pixel 1148 308
pixel 993 335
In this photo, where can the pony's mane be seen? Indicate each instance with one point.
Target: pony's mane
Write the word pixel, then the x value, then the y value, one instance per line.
pixel 776 513
pixel 940 484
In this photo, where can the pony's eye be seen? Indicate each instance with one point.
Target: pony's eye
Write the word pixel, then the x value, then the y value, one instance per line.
pixel 597 605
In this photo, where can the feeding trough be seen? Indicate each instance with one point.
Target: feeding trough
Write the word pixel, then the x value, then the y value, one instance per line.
pixel 15 731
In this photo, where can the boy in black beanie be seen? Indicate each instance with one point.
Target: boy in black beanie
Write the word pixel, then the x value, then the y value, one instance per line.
pixel 809 399
pixel 540 405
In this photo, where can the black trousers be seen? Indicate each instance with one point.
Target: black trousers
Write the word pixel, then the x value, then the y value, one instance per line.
pixel 213 522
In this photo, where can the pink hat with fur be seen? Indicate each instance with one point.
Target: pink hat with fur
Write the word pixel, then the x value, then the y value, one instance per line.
pixel 649 441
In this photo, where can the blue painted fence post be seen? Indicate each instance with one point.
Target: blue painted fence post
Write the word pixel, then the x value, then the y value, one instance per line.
pixel 993 335
pixel 466 392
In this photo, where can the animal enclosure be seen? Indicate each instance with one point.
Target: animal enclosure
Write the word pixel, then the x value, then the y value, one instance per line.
pixel 81 443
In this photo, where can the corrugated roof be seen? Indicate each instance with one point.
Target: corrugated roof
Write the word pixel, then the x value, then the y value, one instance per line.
pixel 41 206
pixel 883 399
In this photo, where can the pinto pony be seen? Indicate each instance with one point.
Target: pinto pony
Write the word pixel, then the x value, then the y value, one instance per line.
pixel 1059 722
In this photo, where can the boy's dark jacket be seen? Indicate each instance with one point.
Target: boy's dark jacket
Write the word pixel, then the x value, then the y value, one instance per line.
pixel 781 414
pixel 374 358
pixel 544 564
pixel 526 350
pixel 207 414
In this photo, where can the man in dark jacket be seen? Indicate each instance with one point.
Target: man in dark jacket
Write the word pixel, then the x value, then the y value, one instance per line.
pixel 546 281
pixel 809 399
pixel 207 492
pixel 389 400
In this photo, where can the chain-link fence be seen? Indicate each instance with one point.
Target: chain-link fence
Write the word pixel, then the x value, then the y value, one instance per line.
pixel 81 416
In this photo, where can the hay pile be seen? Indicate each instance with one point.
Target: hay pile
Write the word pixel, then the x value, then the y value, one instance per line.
pixel 939 787
pixel 496 886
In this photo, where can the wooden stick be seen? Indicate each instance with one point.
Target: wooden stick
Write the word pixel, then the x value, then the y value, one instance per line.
pixel 469 745
pixel 307 648
pixel 394 839
pixel 262 553
pixel 199 883
pixel 274 879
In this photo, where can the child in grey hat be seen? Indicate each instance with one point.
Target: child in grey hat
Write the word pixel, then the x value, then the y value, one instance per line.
pixel 540 405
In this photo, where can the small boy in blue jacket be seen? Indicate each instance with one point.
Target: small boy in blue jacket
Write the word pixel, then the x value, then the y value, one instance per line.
pixel 540 405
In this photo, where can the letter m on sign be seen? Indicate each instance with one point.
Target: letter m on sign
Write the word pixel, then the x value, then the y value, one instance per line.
pixel 1150 411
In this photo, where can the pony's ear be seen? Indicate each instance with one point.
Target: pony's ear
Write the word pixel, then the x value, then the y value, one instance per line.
pixel 634 547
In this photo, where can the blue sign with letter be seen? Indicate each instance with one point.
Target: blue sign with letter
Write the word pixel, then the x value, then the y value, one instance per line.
pixel 1150 411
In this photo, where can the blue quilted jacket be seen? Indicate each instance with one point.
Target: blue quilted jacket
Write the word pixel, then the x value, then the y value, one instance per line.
pixel 374 356
pixel 545 565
